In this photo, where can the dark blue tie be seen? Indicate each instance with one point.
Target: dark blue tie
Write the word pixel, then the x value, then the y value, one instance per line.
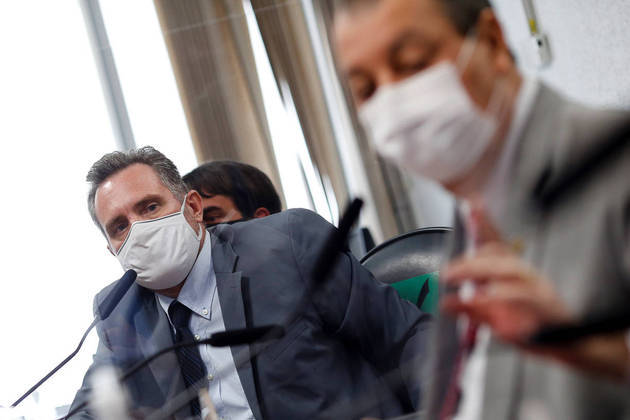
pixel 192 367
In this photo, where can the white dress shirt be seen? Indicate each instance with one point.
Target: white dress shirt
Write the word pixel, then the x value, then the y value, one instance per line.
pixel 199 294
pixel 474 373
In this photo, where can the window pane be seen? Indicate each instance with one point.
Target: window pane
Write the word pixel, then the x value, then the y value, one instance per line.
pixel 54 124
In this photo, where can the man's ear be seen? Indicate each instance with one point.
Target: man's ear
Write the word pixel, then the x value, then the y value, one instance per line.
pixel 490 32
pixel 261 212
pixel 195 206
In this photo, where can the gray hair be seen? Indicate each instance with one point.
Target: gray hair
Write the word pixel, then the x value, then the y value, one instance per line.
pixel 115 162
pixel 464 14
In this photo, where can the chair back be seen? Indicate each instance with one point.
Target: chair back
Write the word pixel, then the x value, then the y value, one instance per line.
pixel 411 263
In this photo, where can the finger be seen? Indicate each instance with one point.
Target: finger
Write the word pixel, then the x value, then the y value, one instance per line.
pixel 481 269
pixel 510 318
pixel 483 228
pixel 494 296
pixel 456 307
pixel 495 248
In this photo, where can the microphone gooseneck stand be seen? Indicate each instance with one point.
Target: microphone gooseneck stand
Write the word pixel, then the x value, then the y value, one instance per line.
pixel 104 310
pixel 220 339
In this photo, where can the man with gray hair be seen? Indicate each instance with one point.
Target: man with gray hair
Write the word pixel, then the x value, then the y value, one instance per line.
pixel 439 93
pixel 339 352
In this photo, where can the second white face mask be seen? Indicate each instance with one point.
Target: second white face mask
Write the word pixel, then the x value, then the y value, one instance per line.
pixel 162 251
pixel 428 124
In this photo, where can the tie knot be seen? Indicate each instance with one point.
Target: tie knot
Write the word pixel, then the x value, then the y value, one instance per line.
pixel 179 314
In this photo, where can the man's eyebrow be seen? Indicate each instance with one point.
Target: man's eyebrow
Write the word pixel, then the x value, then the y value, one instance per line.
pixel 144 201
pixel 110 225
pixel 407 37
pixel 410 35
pixel 210 208
pixel 205 194
pixel 357 72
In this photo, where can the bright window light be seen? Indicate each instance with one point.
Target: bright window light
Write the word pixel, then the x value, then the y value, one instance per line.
pixel 54 126
pixel 147 79
pixel 300 180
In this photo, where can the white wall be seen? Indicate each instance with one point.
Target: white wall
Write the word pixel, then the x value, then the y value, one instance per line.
pixel 590 43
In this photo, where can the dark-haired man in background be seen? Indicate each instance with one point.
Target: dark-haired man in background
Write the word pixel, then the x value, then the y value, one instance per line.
pixel 439 93
pixel 233 191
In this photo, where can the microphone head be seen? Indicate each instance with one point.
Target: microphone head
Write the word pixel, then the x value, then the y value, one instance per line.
pixel 245 336
pixel 116 293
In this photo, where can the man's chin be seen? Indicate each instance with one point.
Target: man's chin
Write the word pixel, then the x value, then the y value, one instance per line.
pixel 460 186
pixel 172 292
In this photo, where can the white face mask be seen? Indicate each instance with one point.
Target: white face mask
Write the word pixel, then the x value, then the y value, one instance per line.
pixel 162 251
pixel 428 124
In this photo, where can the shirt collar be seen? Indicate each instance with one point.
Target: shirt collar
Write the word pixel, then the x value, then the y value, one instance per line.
pixel 199 287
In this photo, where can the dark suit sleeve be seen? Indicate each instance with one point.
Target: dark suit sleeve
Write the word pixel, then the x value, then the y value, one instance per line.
pixel 388 331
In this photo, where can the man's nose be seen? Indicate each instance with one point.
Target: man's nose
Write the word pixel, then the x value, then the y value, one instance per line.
pixel 130 220
pixel 387 76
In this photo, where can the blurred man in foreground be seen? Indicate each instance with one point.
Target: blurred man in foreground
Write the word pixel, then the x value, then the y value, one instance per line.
pixel 233 191
pixel 439 93
pixel 336 356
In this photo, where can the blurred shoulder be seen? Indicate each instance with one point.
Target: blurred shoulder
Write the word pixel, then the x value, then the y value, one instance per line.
pixel 292 224
pixel 284 221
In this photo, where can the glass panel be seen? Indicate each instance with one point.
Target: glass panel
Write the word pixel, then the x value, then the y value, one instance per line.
pixel 54 260
pixel 147 79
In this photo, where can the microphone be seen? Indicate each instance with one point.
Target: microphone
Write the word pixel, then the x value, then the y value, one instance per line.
pixel 244 336
pixel 104 310
pixel 335 243
pixel 115 295
pixel 221 339
pixel 591 325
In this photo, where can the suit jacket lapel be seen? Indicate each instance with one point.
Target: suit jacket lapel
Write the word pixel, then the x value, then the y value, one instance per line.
pixel 534 167
pixel 230 289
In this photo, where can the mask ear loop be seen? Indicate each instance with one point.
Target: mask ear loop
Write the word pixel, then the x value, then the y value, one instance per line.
pixel 201 226
pixel 111 247
pixel 466 52
pixel 496 108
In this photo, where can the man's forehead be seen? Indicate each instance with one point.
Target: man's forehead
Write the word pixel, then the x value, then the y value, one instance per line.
pixel 137 175
pixel 126 186
pixel 366 31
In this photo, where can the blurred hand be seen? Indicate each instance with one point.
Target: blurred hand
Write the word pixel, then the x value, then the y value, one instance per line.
pixel 514 300
pixel 510 296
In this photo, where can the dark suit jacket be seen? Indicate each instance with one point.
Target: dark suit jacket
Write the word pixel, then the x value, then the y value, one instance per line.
pixel 333 359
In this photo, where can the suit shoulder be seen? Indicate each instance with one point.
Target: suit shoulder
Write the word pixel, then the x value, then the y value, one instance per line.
pixel 304 215
pixel 283 221
pixel 104 292
pixel 307 228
